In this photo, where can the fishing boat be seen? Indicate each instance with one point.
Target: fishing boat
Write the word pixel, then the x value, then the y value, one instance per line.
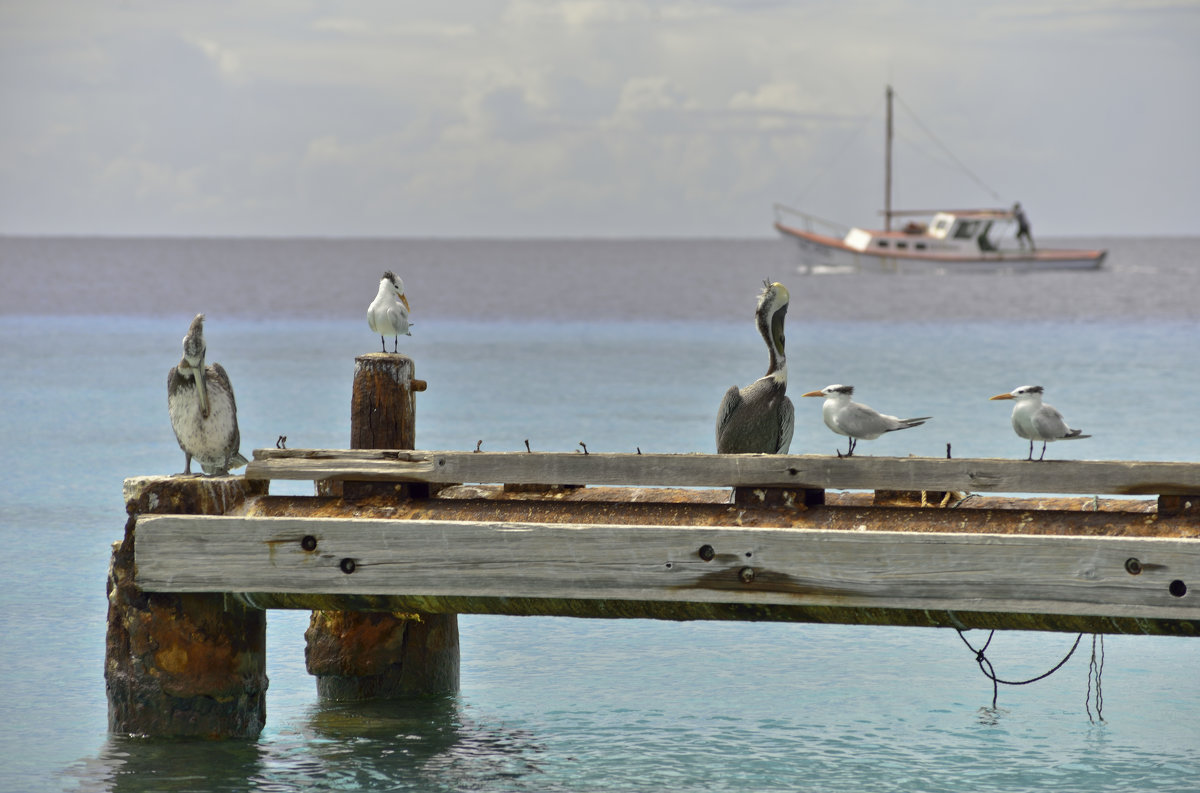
pixel 943 240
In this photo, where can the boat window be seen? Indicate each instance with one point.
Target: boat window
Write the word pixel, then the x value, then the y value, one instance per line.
pixel 941 225
pixel 966 229
pixel 882 243
pixel 920 246
pixel 901 244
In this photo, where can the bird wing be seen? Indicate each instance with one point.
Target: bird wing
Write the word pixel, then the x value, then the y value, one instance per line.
pixel 787 424
pixel 730 404
pixel 1048 423
pixel 861 421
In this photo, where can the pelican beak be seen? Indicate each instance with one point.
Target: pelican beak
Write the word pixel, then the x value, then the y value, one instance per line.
pixel 404 300
pixel 202 389
pixel 1001 396
pixel 813 393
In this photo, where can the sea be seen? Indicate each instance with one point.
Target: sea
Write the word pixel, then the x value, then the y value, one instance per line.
pixel 619 344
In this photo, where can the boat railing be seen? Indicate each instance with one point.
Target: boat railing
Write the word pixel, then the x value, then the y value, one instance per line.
pixel 787 216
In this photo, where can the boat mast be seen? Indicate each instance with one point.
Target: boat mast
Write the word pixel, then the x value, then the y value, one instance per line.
pixel 887 167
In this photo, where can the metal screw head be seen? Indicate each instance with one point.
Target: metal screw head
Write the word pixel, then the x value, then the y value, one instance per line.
pixel 309 543
pixel 707 553
pixel 746 574
pixel 1133 566
pixel 348 566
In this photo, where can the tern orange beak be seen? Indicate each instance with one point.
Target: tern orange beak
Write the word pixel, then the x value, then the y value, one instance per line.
pixel 813 393
pixel 1001 396
pixel 404 300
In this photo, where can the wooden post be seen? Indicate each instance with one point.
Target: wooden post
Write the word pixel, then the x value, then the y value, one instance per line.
pixel 182 664
pixel 369 655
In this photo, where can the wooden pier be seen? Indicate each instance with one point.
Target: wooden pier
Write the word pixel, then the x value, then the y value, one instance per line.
pixel 403 540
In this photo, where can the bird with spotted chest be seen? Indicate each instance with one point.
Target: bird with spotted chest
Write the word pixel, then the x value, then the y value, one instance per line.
pixel 760 418
pixel 202 409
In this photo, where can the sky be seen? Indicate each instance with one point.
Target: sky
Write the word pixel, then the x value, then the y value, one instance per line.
pixel 591 118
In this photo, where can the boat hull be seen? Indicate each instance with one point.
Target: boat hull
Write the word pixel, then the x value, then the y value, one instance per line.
pixel 820 252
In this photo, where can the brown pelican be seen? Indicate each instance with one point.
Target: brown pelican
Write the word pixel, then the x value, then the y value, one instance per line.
pixel 203 413
pixel 856 421
pixel 388 313
pixel 759 418
pixel 1034 420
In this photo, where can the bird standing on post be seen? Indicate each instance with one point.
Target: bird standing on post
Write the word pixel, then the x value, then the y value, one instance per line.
pixel 759 418
pixel 203 413
pixel 1034 420
pixel 857 421
pixel 388 313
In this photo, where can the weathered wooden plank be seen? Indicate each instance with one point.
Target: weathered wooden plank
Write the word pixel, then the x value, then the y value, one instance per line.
pixel 847 569
pixel 740 470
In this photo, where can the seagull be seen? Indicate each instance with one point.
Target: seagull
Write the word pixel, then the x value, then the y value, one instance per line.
pixel 1034 420
pixel 388 313
pixel 855 420
pixel 759 418
pixel 203 413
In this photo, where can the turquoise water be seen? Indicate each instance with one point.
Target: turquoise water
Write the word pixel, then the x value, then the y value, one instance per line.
pixel 560 704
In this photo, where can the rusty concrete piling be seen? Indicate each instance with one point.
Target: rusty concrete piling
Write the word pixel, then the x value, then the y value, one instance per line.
pixel 182 664
pixel 371 655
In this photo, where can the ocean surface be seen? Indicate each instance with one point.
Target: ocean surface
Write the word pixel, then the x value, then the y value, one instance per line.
pixel 620 344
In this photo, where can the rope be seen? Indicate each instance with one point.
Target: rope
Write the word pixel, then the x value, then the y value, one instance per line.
pixel 989 671
pixel 1095 670
pixel 945 150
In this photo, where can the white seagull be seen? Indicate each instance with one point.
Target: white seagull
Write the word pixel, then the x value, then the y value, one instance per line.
pixel 758 419
pixel 1034 420
pixel 203 413
pixel 857 421
pixel 388 313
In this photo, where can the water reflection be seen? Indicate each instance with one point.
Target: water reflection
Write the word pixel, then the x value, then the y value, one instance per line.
pixel 423 744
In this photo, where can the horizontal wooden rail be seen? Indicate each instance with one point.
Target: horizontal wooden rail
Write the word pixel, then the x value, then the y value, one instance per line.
pixel 494 567
pixel 732 470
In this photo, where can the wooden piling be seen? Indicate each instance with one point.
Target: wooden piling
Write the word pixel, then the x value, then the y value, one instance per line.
pixel 362 655
pixel 182 664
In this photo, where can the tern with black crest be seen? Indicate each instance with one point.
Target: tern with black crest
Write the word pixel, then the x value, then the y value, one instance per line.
pixel 1035 420
pixel 388 313
pixel 855 420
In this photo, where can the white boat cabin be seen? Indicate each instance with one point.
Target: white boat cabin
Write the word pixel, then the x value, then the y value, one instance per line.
pixel 952 232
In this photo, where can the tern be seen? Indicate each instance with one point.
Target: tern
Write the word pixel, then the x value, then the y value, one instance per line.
pixel 1034 420
pixel 388 313
pixel 760 418
pixel 857 421
pixel 203 413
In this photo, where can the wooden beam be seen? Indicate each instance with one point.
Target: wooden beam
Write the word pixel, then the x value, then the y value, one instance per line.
pixel 1113 577
pixel 810 472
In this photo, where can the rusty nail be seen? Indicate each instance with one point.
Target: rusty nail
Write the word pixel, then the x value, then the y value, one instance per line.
pixel 309 543
pixel 747 575
pixel 348 566
pixel 1133 566
pixel 707 553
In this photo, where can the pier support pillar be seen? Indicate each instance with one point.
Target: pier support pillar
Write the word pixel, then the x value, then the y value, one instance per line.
pixel 182 665
pixel 376 655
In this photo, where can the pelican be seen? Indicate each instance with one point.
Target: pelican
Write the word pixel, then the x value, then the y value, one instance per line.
pixel 388 313
pixel 203 413
pixel 1034 420
pixel 759 418
pixel 855 420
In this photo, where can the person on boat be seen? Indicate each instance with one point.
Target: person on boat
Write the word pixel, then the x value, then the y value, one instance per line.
pixel 1022 227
